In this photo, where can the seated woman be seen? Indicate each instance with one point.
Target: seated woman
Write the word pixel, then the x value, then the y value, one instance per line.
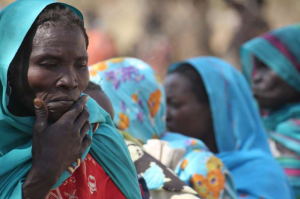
pixel 55 142
pixel 271 64
pixel 139 106
pixel 209 100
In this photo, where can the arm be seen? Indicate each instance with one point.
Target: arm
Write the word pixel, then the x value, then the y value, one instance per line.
pixel 55 147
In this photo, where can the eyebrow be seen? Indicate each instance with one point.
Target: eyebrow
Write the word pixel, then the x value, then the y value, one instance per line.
pixel 84 57
pixel 57 57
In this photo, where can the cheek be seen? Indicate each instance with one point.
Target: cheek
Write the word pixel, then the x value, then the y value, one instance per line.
pixel 271 80
pixel 83 79
pixel 40 79
pixel 183 115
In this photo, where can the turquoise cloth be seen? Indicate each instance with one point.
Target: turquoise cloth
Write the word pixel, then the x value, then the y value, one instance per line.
pixel 240 136
pixel 108 146
pixel 280 51
pixel 137 96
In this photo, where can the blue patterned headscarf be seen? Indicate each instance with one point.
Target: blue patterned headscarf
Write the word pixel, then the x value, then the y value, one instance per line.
pixel 280 51
pixel 240 137
pixel 108 146
pixel 136 94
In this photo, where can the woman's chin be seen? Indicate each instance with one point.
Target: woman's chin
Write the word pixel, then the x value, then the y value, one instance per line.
pixel 266 103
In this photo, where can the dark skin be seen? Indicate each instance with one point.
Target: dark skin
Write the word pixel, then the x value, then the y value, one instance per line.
pixel 50 86
pixel 185 113
pixel 101 98
pixel 270 90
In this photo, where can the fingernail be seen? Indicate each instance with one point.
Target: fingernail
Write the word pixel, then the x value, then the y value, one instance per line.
pixel 86 98
pixel 37 104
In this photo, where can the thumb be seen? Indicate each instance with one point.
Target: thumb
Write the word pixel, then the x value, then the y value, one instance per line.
pixel 41 113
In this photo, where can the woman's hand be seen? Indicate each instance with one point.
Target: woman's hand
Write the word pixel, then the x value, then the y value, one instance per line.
pixel 55 147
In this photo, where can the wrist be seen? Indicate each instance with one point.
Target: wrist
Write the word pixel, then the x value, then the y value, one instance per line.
pixel 38 183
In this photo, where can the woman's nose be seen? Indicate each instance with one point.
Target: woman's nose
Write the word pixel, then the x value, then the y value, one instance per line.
pixel 68 81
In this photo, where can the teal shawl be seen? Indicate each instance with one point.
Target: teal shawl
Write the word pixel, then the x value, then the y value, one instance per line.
pixel 108 147
pixel 280 51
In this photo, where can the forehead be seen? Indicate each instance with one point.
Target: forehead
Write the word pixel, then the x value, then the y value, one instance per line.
pixel 59 39
pixel 177 84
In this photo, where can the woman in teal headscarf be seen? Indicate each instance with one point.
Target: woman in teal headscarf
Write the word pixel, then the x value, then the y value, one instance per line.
pixel 52 136
pixel 271 64
pixel 139 105
pixel 209 100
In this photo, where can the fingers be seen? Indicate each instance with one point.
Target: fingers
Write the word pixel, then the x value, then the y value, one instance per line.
pixel 81 120
pixel 86 127
pixel 87 141
pixel 41 112
pixel 75 110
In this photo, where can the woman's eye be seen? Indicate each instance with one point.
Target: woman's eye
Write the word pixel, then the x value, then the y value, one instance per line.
pixel 176 104
pixel 49 65
pixel 81 66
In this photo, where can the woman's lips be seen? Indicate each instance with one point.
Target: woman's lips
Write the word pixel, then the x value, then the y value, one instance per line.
pixel 60 106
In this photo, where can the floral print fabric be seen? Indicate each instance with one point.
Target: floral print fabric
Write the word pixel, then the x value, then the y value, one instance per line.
pixel 201 169
pixel 136 94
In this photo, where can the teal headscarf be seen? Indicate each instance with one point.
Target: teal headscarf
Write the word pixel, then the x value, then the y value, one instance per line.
pixel 240 137
pixel 280 51
pixel 137 96
pixel 108 146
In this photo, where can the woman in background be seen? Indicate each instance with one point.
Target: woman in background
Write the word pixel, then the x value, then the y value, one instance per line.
pixel 271 64
pixel 209 100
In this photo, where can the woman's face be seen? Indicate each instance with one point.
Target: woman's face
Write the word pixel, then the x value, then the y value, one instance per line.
pixel 57 71
pixel 270 90
pixel 185 113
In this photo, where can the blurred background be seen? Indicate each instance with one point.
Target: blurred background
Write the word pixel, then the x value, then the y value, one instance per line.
pixel 161 32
